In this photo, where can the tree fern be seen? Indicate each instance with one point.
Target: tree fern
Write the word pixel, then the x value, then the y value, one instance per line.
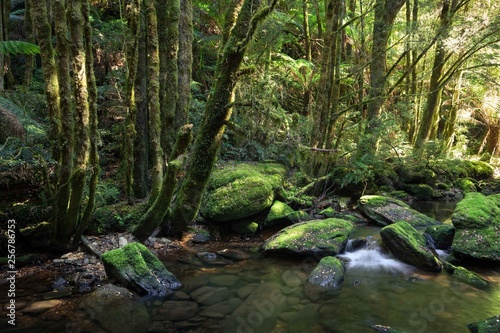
pixel 18 47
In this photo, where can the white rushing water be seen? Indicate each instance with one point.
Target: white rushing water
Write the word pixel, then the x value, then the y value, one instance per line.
pixel 373 258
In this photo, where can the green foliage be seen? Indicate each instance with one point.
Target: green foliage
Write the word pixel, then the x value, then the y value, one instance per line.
pixel 119 217
pixel 18 47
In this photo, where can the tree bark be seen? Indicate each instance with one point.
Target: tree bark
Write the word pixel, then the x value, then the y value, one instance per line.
pixel 217 114
pixel 185 63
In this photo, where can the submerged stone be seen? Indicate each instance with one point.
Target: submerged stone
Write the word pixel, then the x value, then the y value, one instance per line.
pixel 385 211
pixel 241 190
pixel 477 222
pixel 138 269
pixel 407 245
pixel 317 237
pixel 466 276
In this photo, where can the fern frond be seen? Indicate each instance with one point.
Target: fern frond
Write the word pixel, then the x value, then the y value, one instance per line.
pixel 18 47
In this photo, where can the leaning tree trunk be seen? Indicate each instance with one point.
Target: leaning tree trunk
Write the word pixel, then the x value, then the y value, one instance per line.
pixel 217 113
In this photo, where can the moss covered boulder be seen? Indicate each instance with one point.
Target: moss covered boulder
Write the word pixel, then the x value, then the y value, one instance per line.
pixel 317 237
pixel 442 235
pixel 477 222
pixel 241 190
pixel 464 275
pixel 490 325
pixel 245 227
pixel 408 245
pixel 386 210
pixel 328 273
pixel 280 212
pixel 138 269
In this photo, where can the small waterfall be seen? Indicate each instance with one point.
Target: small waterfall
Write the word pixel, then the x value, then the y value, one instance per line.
pixel 371 257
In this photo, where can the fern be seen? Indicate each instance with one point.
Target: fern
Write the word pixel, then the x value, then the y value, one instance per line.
pixel 18 47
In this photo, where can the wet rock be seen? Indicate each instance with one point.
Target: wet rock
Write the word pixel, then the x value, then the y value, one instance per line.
pixel 408 245
pixel 244 227
pixel 317 237
pixel 161 327
pixel 138 269
pixel 385 329
pixel 243 292
pixel 39 307
pixel 329 273
pixel 220 310
pixel 199 234
pixel 442 235
pixel 210 295
pixel 385 211
pixel 234 254
pixel 466 276
pixel 59 283
pixel 477 222
pixel 56 294
pixel 116 310
pixel 177 310
pixel 280 212
pixel 490 325
pixel 224 280
pixel 212 258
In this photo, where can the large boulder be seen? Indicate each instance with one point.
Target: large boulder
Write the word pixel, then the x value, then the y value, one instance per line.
pixel 477 222
pixel 241 190
pixel 442 235
pixel 408 245
pixel 328 273
pixel 280 212
pixel 316 237
pixel 490 325
pixel 386 210
pixel 138 269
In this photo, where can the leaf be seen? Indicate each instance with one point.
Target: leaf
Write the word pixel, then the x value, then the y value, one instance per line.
pixel 18 47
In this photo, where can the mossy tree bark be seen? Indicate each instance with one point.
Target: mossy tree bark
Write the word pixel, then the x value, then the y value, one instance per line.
pixel 217 113
pixel 29 59
pixel 153 97
pixel 132 15
pixel 185 63
pixel 385 14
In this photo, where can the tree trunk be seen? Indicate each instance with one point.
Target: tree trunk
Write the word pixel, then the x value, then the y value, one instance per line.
pixel 185 63
pixel 153 97
pixel 217 113
pixel 132 15
pixel 385 14
pixel 29 59
pixel 307 33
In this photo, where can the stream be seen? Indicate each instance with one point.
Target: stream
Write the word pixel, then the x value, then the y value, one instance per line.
pixel 267 294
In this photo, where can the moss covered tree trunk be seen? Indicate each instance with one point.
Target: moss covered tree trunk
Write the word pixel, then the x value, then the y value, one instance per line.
pixel 185 63
pixel 29 59
pixel 217 113
pixel 385 14
pixel 132 15
pixel 153 98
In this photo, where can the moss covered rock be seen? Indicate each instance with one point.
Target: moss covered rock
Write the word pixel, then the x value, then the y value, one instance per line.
pixel 241 190
pixel 386 210
pixel 408 245
pixel 317 237
pixel 420 191
pixel 477 222
pixel 138 269
pixel 328 273
pixel 466 276
pixel 244 227
pixel 442 235
pixel 280 212
pixel 490 325
pixel 465 185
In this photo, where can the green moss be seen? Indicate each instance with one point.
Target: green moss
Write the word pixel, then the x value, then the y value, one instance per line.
pixel 245 227
pixel 116 218
pixel 477 211
pixel 466 185
pixel 490 325
pixel 420 191
pixel 466 276
pixel 442 235
pixel 378 201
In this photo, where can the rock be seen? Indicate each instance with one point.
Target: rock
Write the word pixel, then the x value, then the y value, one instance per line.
pixel 385 329
pixel 210 295
pixel 10 126
pixel 37 234
pixel 234 254
pixel 138 269
pixel 408 245
pixel 199 234
pixel 466 276
pixel 178 310
pixel 280 212
pixel 39 307
pixel 317 237
pixel 386 210
pixel 465 185
pixel 420 191
pixel 244 227
pixel 222 309
pixel 490 325
pixel 328 273
pixel 116 310
pixel 241 190
pixel 122 241
pixel 225 280
pixel 442 235
pixel 477 222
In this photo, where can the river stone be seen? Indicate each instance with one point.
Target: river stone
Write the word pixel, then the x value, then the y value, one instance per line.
pixel 220 310
pixel 241 190
pixel 138 269
pixel 490 325
pixel 177 310
pixel 386 210
pixel 317 237
pixel 234 254
pixel 408 245
pixel 442 235
pixel 466 276
pixel 210 295
pixel 477 222
pixel 328 273
pixel 39 307
pixel 116 310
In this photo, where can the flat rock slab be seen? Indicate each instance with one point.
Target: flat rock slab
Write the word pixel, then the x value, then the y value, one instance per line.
pixel 39 307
